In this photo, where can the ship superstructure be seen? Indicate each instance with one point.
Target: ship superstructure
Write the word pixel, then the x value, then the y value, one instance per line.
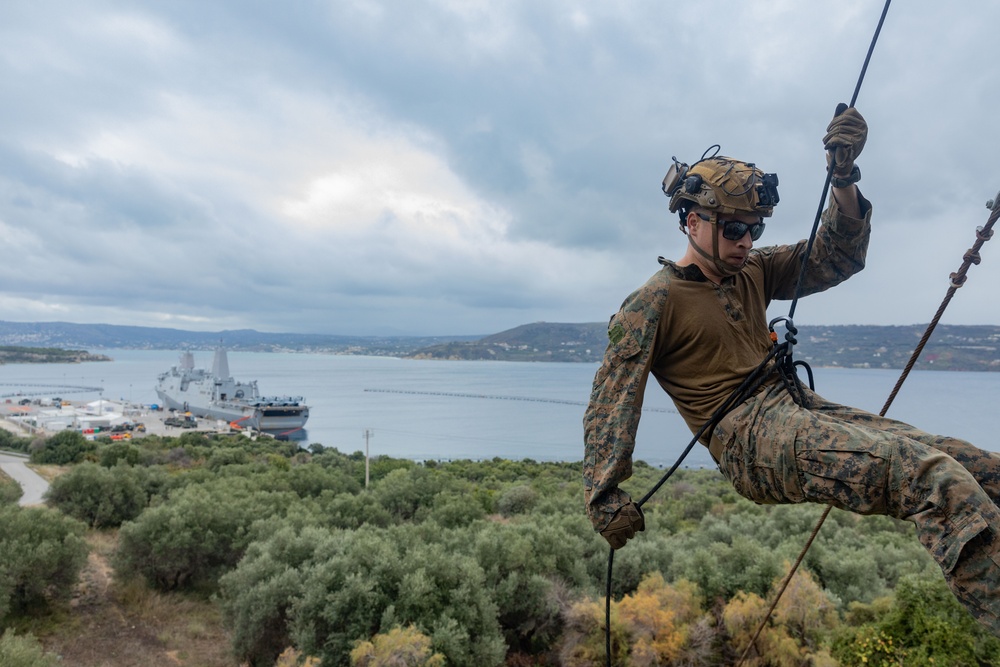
pixel 216 395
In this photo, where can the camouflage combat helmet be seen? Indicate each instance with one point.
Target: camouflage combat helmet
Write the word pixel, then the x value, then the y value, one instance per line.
pixel 722 185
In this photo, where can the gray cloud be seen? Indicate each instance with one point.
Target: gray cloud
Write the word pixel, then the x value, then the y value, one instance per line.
pixel 463 167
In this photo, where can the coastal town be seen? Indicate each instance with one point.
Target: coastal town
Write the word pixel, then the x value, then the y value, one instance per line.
pixel 115 419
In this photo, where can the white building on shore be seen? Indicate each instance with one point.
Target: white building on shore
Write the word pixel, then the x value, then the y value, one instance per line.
pixel 99 415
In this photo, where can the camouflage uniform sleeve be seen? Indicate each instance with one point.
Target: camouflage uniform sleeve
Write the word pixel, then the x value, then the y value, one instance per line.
pixel 612 416
pixel 838 253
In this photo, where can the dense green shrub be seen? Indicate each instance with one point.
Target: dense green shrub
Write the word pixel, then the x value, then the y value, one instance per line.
pixel 528 566
pixel 453 509
pixel 329 589
pixel 154 481
pixel 381 466
pixel 257 596
pixel 63 448
pixel 98 496
pixel 10 491
pixel 348 510
pixel 368 581
pixel 487 558
pixel 526 569
pixel 924 626
pixel 41 554
pixel 110 455
pixel 24 651
pixel 227 456
pixel 517 499
pixel 354 464
pixel 12 442
pixel 408 494
pixel 314 480
pixel 196 534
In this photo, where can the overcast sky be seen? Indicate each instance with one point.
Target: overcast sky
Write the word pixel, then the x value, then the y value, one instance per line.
pixel 466 166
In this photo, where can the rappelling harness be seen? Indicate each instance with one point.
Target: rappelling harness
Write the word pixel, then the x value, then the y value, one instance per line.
pixel 780 359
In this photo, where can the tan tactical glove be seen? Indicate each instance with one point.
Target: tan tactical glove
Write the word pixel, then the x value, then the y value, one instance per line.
pixel 845 138
pixel 628 520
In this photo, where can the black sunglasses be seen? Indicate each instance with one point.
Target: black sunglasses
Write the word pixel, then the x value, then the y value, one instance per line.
pixel 735 229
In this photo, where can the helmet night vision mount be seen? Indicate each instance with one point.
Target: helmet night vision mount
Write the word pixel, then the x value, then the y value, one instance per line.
pixel 720 184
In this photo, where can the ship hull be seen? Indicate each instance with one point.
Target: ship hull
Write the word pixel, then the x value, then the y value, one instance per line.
pixel 215 395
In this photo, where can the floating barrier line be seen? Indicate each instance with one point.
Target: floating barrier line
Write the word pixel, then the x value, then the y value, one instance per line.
pixel 47 391
pixel 497 397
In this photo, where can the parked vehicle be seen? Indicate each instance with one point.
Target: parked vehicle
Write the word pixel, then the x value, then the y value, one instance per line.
pixel 182 421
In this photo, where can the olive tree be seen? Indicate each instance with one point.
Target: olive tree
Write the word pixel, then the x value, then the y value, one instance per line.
pixel 10 491
pixel 197 534
pixel 41 555
pixel 63 448
pixel 256 597
pixel 24 651
pixel 101 497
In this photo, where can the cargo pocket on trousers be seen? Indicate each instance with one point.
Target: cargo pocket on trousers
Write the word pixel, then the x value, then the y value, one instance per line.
pixel 736 458
pixel 948 549
pixel 721 438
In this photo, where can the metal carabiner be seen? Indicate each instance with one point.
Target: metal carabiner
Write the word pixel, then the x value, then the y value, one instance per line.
pixel 790 329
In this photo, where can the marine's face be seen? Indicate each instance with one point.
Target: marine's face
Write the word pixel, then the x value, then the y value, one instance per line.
pixel 733 252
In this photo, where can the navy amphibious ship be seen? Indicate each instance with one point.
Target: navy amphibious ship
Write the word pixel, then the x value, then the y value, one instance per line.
pixel 216 395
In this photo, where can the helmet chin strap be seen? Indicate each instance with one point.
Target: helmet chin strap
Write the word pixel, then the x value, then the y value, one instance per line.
pixel 723 268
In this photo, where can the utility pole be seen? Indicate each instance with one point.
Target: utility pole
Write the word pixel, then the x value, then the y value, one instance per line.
pixel 368 434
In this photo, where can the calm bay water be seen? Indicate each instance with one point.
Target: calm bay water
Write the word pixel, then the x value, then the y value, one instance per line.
pixel 422 409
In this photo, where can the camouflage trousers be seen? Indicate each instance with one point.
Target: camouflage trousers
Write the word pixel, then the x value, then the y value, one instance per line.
pixel 774 451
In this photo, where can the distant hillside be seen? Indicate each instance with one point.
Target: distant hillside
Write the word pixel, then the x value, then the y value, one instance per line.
pixel 14 354
pixel 111 336
pixel 952 347
pixel 541 341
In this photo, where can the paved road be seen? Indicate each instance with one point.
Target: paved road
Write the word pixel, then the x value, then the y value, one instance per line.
pixel 34 486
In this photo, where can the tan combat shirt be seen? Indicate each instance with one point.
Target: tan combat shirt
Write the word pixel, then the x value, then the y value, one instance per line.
pixel 699 340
